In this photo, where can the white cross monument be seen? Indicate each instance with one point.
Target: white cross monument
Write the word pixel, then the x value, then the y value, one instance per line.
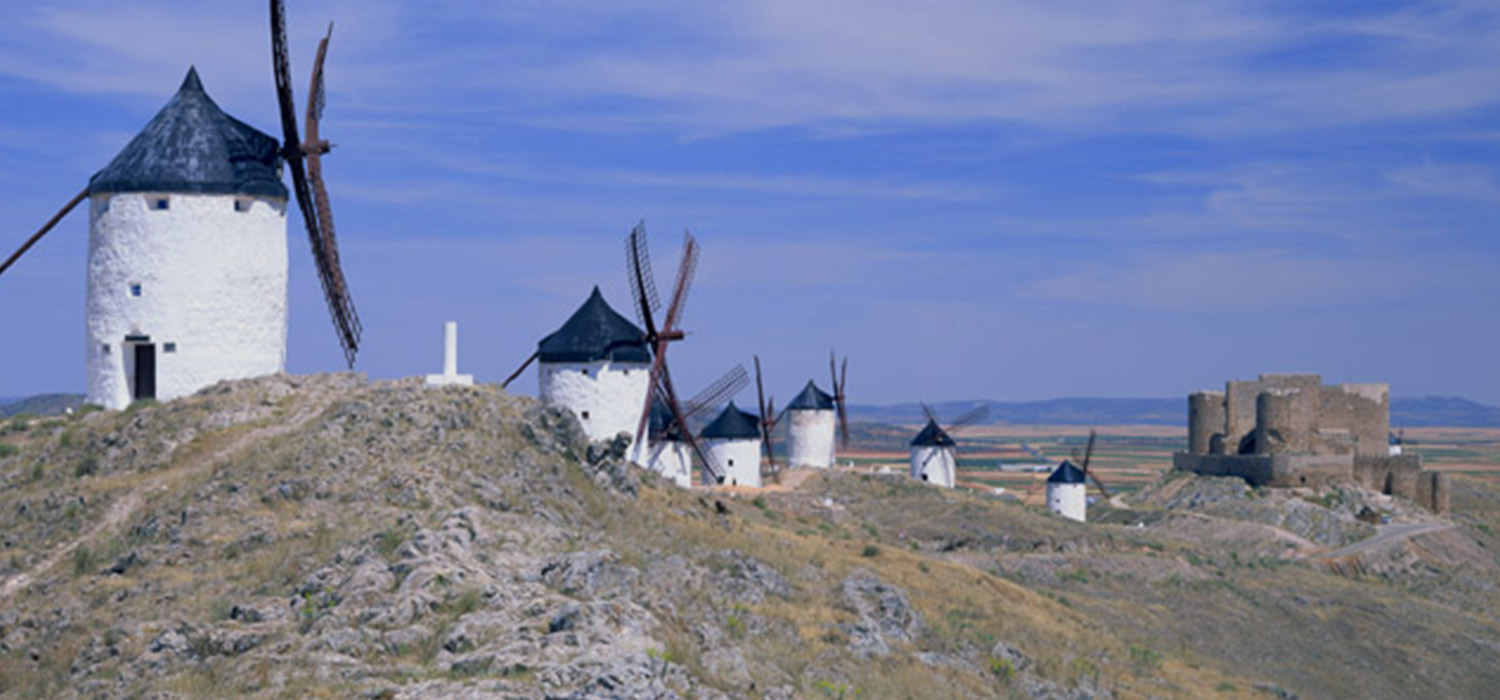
pixel 450 375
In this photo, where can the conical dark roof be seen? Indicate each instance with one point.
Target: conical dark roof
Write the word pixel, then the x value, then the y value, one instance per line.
pixel 193 146
pixel 1067 473
pixel 734 424
pixel 811 399
pixel 932 436
pixel 595 332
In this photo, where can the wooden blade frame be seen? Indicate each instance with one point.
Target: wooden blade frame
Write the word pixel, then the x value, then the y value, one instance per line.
pixel 767 416
pixel 46 228
pixel 506 384
pixel 838 396
pixel 643 288
pixel 968 418
pixel 317 218
pixel 718 392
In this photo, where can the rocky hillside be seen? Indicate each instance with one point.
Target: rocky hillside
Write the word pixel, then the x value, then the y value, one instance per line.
pixel 330 537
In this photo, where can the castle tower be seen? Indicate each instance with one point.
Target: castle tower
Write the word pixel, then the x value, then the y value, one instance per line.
pixel 932 456
pixel 187 262
pixel 668 453
pixel 598 366
pixel 1205 419
pixel 732 441
pixel 812 429
pixel 1067 492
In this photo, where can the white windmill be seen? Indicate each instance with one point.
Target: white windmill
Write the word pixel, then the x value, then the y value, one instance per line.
pixel 814 417
pixel 187 262
pixel 1067 492
pixel 933 450
pixel 733 442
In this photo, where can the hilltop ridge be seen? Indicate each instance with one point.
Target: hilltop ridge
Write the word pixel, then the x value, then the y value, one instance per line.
pixel 328 536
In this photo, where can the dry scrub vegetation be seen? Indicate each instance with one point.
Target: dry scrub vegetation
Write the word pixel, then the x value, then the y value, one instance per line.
pixel 330 537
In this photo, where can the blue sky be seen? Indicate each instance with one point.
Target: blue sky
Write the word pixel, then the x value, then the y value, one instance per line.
pixel 1010 200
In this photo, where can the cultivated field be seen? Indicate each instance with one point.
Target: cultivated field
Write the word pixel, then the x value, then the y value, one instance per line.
pixel 1127 457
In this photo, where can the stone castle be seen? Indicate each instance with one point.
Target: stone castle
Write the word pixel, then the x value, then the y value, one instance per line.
pixel 1291 430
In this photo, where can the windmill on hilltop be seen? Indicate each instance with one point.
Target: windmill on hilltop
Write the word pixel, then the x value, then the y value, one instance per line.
pixel 187 266
pixel 609 371
pixel 815 416
pixel 670 444
pixel 933 450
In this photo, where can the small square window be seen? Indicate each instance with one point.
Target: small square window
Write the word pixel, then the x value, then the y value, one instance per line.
pixel 585 415
pixel 104 348
pixel 585 372
pixel 169 347
pixel 135 290
pixel 160 204
pixel 241 205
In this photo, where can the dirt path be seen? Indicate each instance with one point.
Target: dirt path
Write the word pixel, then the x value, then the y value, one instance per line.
pixel 1385 534
pixel 126 505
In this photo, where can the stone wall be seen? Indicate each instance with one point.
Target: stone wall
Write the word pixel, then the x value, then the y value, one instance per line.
pixel 1404 477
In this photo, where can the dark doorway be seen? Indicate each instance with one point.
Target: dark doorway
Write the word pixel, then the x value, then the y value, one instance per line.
pixel 145 372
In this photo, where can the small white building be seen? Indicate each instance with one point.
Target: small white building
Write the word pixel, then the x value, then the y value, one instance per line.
pixel 668 454
pixel 811 432
pixel 598 366
pixel 732 441
pixel 932 456
pixel 187 261
pixel 1393 444
pixel 1067 492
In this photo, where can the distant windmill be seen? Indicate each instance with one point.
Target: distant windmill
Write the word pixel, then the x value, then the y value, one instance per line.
pixel 733 444
pixel 609 371
pixel 933 451
pixel 671 443
pixel 815 416
pixel 1067 488
pixel 187 244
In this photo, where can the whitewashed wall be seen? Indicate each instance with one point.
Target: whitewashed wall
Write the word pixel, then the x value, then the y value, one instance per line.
pixel 739 460
pixel 606 397
pixel 673 460
pixel 939 468
pixel 811 439
pixel 1068 500
pixel 213 282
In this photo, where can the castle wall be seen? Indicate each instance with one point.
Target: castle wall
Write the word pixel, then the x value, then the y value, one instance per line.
pixel 1364 410
pixel 1282 471
pixel 207 275
pixel 607 397
pixel 810 441
pixel 1283 421
pixel 1206 418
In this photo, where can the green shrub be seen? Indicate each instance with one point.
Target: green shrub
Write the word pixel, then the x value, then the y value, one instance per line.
pixel 8 450
pixel 1003 669
pixel 870 550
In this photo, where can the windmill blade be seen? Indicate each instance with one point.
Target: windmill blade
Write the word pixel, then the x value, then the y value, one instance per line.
pixel 766 426
pixel 973 415
pixel 295 153
pixel 1088 452
pixel 709 466
pixel 685 272
pixel 766 420
pixel 927 411
pixel 839 396
pixel 642 281
pixel 331 272
pixel 717 393
pixel 46 228
pixel 658 369
pixel 506 384
pixel 1098 485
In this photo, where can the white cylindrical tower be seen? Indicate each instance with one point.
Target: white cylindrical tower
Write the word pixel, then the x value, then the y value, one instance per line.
pixel 668 454
pixel 187 266
pixel 598 366
pixel 932 456
pixel 811 433
pixel 1067 492
pixel 732 442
